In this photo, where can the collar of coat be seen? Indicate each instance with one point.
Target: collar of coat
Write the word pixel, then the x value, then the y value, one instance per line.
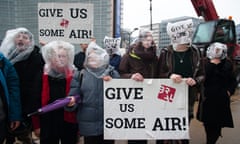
pixel 133 55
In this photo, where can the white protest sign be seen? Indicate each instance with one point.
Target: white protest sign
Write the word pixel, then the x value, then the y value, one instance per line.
pixel 180 32
pixel 112 45
pixel 152 109
pixel 71 22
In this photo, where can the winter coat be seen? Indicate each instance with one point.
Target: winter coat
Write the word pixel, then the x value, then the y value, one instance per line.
pixel 115 61
pixel 30 74
pixel 11 93
pixel 214 105
pixel 54 88
pixel 138 61
pixel 79 60
pixel 165 68
pixel 90 110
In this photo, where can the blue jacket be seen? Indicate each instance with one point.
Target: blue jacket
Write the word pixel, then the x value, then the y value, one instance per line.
pixel 90 110
pixel 115 61
pixel 10 83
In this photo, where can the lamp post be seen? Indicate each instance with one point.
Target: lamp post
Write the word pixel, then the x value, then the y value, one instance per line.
pixel 129 35
pixel 150 14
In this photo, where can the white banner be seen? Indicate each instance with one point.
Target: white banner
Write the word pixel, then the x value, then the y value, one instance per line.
pixel 153 109
pixel 71 22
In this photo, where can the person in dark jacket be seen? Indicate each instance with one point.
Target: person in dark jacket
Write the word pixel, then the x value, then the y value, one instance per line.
pixel 18 47
pixel 139 63
pixel 89 85
pixel 180 62
pixel 141 59
pixel 80 56
pixel 10 102
pixel 214 106
pixel 59 125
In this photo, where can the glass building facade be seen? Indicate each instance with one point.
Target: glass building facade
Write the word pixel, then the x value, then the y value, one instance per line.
pixel 24 13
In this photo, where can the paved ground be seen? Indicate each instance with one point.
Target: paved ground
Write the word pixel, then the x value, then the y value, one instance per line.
pixel 197 134
pixel 230 135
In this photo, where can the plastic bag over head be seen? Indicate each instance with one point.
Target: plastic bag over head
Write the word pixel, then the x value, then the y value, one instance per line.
pixel 217 50
pixel 96 57
pixel 143 34
pixel 180 32
pixel 145 38
pixel 58 56
pixel 17 44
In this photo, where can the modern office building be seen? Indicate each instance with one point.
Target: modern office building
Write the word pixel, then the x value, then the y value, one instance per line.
pixel 24 13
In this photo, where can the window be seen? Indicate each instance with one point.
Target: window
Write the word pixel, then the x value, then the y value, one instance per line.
pixel 204 32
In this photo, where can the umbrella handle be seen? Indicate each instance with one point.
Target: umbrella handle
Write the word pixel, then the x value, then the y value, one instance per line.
pixel 33 113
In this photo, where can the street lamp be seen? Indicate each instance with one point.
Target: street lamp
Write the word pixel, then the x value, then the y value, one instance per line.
pixel 150 14
pixel 129 35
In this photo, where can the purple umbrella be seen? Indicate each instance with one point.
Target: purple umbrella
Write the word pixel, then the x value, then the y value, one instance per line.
pixel 59 103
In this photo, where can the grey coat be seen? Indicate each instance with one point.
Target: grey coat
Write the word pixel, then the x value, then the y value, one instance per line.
pixel 90 109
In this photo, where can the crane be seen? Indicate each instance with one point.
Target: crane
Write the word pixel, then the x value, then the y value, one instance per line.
pixel 206 9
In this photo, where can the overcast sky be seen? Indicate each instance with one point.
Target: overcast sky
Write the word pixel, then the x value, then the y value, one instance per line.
pixel 137 12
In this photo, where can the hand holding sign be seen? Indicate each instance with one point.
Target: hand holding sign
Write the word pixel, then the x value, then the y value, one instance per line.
pixel 134 110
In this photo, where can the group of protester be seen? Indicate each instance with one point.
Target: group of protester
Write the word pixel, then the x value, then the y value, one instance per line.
pixel 31 79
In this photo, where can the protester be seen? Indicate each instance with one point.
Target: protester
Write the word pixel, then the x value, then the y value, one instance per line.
pixel 59 125
pixel 181 62
pixel 80 56
pixel 18 46
pixel 214 107
pixel 89 85
pixel 139 63
pixel 10 102
pixel 112 46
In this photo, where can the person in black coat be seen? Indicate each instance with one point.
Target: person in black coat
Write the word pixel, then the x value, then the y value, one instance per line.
pixel 18 46
pixel 214 106
pixel 80 56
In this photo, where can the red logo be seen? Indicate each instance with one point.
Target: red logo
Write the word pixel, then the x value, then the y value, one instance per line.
pixel 166 93
pixel 64 23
